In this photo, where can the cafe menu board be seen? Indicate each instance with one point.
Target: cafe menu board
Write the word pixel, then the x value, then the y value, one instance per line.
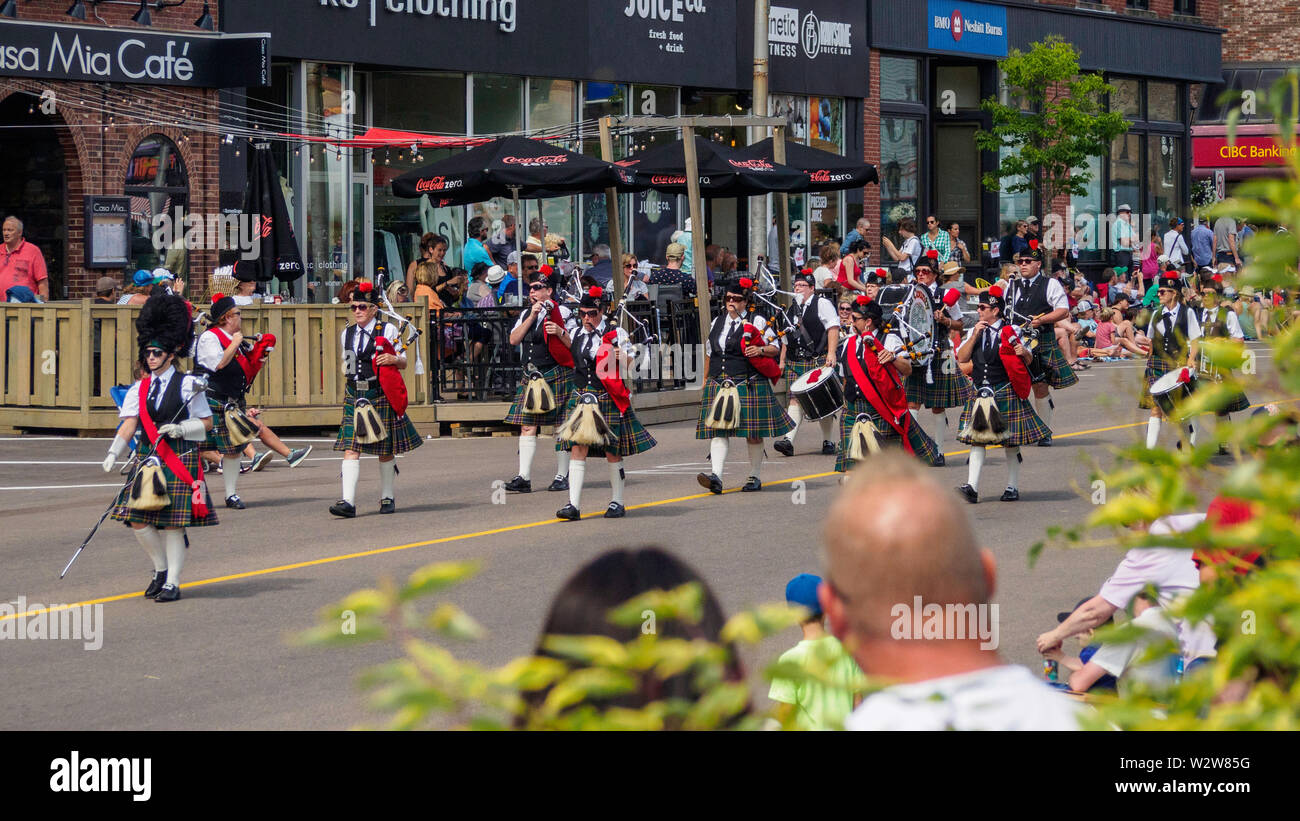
pixel 108 232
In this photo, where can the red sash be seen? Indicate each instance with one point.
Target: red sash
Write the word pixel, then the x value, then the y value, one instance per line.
pixel 768 366
pixel 559 351
pixel 390 379
pixel 1017 371
pixel 252 362
pixel 169 457
pixel 891 401
pixel 609 377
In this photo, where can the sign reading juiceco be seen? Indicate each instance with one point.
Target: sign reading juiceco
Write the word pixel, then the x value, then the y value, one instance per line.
pixel 969 28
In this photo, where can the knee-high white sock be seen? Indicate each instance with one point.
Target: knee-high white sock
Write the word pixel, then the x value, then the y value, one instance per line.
pixel 562 463
pixel 1194 432
pixel 617 479
pixel 916 417
pixel 796 416
pixel 1044 407
pixel 527 448
pixel 387 473
pixel 940 428
pixel 174 543
pixel 577 472
pixel 718 454
pixel 351 473
pixel 1013 468
pixel 975 466
pixel 1153 431
pixel 827 424
pixel 151 540
pixel 755 458
pixel 230 473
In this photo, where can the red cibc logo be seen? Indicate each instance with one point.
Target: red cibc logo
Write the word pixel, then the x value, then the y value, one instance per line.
pixel 956 24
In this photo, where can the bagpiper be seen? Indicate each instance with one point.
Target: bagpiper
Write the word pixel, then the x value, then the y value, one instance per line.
pixel 374 401
pixel 1173 333
pixel 167 493
pixel 811 343
pixel 741 367
pixel 940 384
pixel 1000 413
pixel 1220 322
pixel 599 419
pixel 1036 301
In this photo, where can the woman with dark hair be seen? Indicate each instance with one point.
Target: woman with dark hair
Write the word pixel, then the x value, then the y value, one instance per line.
pixel 581 608
pixel 433 247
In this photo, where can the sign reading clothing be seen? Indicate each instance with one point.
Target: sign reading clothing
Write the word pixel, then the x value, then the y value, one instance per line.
pixel 969 28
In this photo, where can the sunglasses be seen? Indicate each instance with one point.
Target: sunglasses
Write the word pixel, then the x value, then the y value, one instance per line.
pixel 536 286
pixel 588 312
pixel 1165 291
pixel 731 298
pixel 985 307
pixel 627 265
pixel 158 352
pixel 1025 261
pixel 360 306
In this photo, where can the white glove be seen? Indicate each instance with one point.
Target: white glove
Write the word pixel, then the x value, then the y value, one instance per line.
pixel 190 429
pixel 115 451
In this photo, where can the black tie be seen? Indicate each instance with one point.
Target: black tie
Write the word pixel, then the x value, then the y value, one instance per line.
pixel 153 392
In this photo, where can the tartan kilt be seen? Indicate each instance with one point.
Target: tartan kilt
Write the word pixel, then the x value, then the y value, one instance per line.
pixel 560 379
pixel 1155 369
pixel 1024 427
pixel 795 368
pixel 633 438
pixel 923 446
pixel 1239 403
pixel 180 513
pixel 1059 373
pixel 219 436
pixel 760 415
pixel 949 390
pixel 402 436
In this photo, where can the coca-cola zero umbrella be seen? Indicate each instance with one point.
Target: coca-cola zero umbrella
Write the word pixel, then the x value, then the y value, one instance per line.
pixel 277 247
pixel 824 171
pixel 723 173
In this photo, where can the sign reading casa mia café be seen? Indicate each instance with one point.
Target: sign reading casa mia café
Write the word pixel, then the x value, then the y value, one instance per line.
pixel 969 28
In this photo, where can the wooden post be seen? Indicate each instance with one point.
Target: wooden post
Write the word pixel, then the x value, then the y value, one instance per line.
pixel 87 360
pixel 697 229
pixel 782 210
pixel 611 212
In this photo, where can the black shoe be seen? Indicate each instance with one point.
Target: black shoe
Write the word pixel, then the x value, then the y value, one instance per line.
pixel 1011 494
pixel 519 485
pixel 939 461
pixel 1223 450
pixel 244 467
pixel 235 502
pixel 1045 442
pixel 344 508
pixel 709 482
pixel 828 448
pixel 558 483
pixel 568 512
pixel 969 493
pixel 386 506
pixel 784 446
pixel 169 592
pixel 752 485
pixel 615 511
pixel 155 584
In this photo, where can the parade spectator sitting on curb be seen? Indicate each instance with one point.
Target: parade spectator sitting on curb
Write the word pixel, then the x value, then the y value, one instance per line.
pixel 1085 674
pixel 808 704
pixel 1118 658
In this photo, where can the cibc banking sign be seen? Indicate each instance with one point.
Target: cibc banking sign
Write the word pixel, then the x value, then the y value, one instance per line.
pixel 968 28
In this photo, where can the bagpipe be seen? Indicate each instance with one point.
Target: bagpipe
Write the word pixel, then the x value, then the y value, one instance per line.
pixel 251 356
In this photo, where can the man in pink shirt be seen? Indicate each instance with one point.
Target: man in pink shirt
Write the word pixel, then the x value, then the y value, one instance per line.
pixel 21 263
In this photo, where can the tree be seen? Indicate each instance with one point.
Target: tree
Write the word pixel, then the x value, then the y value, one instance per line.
pixel 1063 123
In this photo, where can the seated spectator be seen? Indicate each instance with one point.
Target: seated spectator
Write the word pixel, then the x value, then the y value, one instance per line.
pixel 138 292
pixel 602 267
pixel 397 293
pixel 450 290
pixel 479 286
pixel 245 292
pixel 106 291
pixel 824 274
pixel 1108 343
pixel 814 705
pixel 1084 674
pixel 1117 659
pixel 426 273
pixel 493 279
pixel 672 273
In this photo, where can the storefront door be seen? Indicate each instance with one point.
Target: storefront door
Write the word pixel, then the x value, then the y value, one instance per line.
pixel 33 189
pixel 957 190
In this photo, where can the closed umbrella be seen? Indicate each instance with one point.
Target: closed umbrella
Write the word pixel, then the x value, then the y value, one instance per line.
pixel 277 247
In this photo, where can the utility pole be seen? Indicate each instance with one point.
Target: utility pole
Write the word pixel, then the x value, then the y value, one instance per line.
pixel 758 205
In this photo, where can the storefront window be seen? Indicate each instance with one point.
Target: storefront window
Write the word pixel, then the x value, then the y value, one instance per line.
pixel 157 183
pixel 795 111
pixel 1127 98
pixel 1011 207
pixel 551 103
pixel 605 100
pixel 1125 176
pixel 961 82
pixel 1164 177
pixel 654 101
pixel 498 104
pixel 1163 102
pixel 326 239
pixel 899 172
pixel 900 79
pixel 427 102
pixel 826 129
pixel 1086 213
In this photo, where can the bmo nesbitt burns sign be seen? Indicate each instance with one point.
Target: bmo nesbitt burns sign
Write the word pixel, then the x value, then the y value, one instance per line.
pixel 969 28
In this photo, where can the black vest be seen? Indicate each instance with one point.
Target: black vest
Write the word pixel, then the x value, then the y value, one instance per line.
pixel 228 384
pixel 584 362
pixel 171 410
pixel 1215 324
pixel 1031 300
pixel 535 351
pixel 942 336
pixel 812 326
pixel 1170 348
pixel 988 369
pixel 728 356
pixel 853 393
pixel 365 365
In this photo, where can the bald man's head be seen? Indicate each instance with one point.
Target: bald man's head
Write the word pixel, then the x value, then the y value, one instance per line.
pixel 894 534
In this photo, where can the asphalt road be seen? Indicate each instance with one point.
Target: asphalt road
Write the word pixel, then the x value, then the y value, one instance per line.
pixel 219 658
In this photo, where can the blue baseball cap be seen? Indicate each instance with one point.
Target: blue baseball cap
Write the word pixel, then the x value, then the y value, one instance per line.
pixel 142 277
pixel 802 590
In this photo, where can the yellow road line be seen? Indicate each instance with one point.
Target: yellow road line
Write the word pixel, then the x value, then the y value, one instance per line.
pixel 464 536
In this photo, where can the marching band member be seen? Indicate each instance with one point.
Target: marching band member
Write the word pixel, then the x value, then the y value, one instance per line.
pixel 1041 301
pixel 1173 331
pixel 875 401
pixel 814 340
pixel 230 366
pixel 1219 321
pixel 741 366
pixel 607 425
pixel 940 384
pixel 374 402
pixel 168 493
pixel 1000 413
pixel 544 331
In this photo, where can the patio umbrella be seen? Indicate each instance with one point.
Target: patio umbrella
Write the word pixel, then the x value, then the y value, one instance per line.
pixel 278 256
pixel 723 172
pixel 824 171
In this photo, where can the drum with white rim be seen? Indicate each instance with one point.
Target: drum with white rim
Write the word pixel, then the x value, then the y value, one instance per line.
pixel 819 393
pixel 1171 389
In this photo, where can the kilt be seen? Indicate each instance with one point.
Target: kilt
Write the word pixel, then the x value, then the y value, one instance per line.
pixel 760 415
pixel 949 390
pixel 560 379
pixel 219 436
pixel 633 438
pixel 402 436
pixel 180 513
pixel 1024 427
pixel 922 445
pixel 1052 358
pixel 1155 369
pixel 1239 401
pixel 795 368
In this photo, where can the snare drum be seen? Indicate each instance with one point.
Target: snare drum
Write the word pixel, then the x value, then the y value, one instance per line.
pixel 1171 389
pixel 819 393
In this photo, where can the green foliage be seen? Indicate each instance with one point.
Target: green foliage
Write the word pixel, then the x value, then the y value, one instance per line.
pixel 1062 124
